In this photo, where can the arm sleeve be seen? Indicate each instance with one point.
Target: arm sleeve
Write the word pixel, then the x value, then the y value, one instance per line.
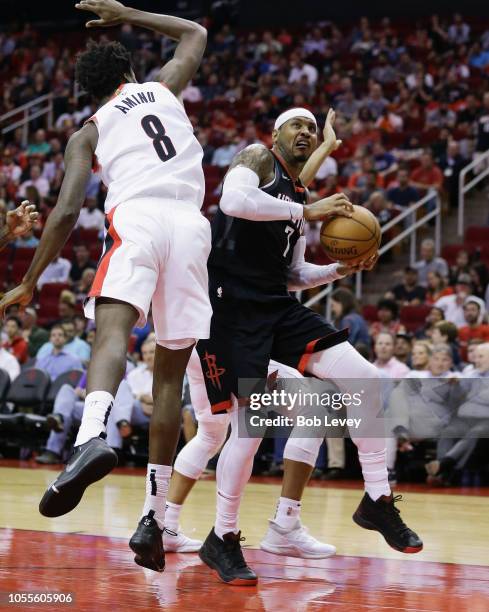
pixel 242 197
pixel 304 275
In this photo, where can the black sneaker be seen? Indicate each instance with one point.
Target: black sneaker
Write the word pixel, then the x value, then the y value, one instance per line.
pixel 90 462
pixel 226 558
pixel 147 544
pixel 48 458
pixel 384 517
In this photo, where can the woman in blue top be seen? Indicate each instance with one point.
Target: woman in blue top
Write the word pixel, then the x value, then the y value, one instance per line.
pixel 344 309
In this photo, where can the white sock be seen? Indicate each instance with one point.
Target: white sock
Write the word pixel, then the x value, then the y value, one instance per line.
pixel 374 470
pixel 227 514
pixel 172 515
pixel 157 482
pixel 98 405
pixel 287 513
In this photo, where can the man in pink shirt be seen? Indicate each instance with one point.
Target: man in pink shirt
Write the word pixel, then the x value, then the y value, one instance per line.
pixel 385 360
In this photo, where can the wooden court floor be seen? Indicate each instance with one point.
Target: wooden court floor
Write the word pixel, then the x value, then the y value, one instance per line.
pixel 86 552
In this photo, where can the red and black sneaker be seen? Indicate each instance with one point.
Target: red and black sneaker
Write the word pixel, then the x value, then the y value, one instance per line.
pixel 226 558
pixel 383 516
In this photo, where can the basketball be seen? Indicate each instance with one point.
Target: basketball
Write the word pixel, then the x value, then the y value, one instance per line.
pixel 351 240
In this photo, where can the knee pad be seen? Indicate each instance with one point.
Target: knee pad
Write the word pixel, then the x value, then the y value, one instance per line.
pixel 194 456
pixel 302 450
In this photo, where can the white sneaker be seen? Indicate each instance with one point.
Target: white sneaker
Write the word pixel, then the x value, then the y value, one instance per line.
pixel 295 542
pixel 176 541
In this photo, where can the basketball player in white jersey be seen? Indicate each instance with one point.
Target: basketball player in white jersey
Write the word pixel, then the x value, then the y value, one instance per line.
pixel 156 248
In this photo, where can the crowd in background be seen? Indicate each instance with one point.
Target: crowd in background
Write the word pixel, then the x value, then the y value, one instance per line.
pixel 412 106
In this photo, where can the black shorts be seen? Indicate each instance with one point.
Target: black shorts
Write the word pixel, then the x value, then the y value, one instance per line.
pixel 246 334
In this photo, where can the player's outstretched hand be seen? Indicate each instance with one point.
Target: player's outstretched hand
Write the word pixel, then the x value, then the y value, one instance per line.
pixel 22 295
pixel 329 135
pixel 367 264
pixel 21 220
pixel 111 12
pixel 337 205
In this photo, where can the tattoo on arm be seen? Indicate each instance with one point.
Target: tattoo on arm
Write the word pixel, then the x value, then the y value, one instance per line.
pixel 257 158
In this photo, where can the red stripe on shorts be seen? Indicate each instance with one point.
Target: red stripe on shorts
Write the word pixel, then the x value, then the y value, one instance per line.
pixel 101 273
pixel 303 361
pixel 221 406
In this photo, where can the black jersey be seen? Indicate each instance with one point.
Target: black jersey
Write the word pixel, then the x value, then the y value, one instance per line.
pixel 251 258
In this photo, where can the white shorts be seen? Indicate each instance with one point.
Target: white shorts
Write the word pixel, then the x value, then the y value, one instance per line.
pixel 198 393
pixel 155 253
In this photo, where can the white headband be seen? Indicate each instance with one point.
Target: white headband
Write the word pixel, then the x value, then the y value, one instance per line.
pixel 291 114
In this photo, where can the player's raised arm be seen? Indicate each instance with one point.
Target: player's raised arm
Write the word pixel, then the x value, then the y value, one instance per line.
pixel 18 223
pixel 60 223
pixel 330 143
pixel 191 37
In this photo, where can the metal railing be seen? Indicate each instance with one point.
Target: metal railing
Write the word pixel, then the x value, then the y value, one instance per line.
pixel 32 110
pixel 410 231
pixel 483 162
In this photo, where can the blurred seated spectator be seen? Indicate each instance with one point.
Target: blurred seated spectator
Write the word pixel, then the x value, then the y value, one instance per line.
pixel 91 217
pixel 446 333
pixel 364 192
pixel 428 175
pixel 461 266
pixel 453 305
pixel 329 167
pixel 403 347
pixel 140 382
pixel 67 409
pixel 402 193
pixel 366 175
pixel 206 147
pixel 35 180
pixel 452 163
pixel 459 31
pixel 459 438
pixel 40 146
pixel 420 356
pixel 27 241
pixel 249 137
pixel 58 361
pixel 384 357
pixel 191 93
pixel 15 343
pixel 384 162
pixel 344 309
pixel 434 316
pixel 381 207
pixel 409 293
pixel 388 319
pixel 479 276
pixel 9 363
pixel 58 271
pixel 81 262
pixel 8 166
pixel 224 154
pixel 473 329
pixel 436 288
pixel 429 263
pixel 471 352
pixel 73 345
pixel 84 285
pixel 34 335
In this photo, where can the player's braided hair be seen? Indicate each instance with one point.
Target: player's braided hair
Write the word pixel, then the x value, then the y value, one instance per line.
pixel 102 67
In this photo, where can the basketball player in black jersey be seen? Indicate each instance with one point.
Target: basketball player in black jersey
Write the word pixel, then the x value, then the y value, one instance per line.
pixel 257 256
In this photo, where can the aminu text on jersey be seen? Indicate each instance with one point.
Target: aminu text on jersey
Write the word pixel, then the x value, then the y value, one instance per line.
pixel 251 258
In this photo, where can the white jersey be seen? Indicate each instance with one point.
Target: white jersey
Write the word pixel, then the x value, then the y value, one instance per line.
pixel 147 148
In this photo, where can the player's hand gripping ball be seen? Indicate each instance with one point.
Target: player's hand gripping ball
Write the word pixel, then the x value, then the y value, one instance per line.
pixel 351 240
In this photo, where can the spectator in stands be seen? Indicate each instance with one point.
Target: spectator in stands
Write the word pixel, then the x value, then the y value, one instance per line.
pixel 446 333
pixel 206 147
pixel 428 175
pixel 469 369
pixel 459 31
pixel 437 288
pixel 81 262
pixel 403 347
pixel 15 343
pixel 84 285
pixel 452 163
pixel 479 276
pixel 36 180
pixel 461 266
pixel 39 146
pixel 482 144
pixel 473 329
pixel 384 162
pixel 375 102
pixel 344 308
pixel 300 69
pixel 67 409
pixel 420 356
pixel 27 241
pixel 388 319
pixel 73 344
pixel 453 305
pixel 434 316
pixel 58 271
pixel 430 263
pixel 459 438
pixel 58 361
pixel 34 335
pixel 385 360
pixel 91 217
pixel 224 154
pixel 9 363
pixel 9 168
pixel 409 293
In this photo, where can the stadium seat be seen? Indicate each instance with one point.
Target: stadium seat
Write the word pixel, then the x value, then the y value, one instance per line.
pixel 477 235
pixel 52 291
pixel 29 390
pixel 72 377
pixel 414 317
pixel 450 252
pixel 369 313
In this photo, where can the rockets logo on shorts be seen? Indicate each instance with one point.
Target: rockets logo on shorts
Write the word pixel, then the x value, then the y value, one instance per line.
pixel 213 373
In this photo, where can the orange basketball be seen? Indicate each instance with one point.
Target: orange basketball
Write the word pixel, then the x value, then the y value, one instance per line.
pixel 351 240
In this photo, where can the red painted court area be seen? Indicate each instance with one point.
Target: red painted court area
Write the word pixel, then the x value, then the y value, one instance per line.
pixel 101 574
